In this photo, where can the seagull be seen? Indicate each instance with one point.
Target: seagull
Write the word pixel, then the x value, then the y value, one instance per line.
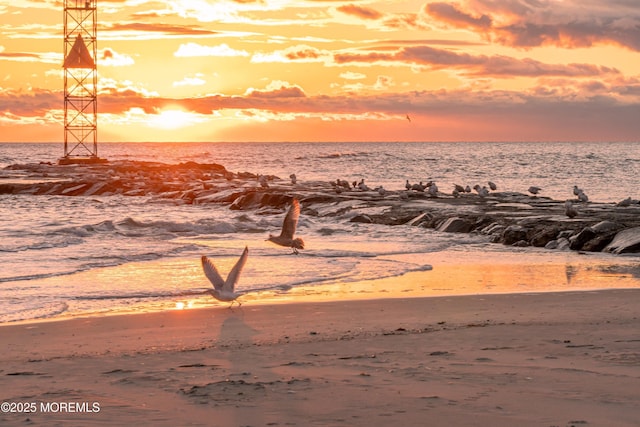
pixel 582 196
pixel 433 189
pixel 294 178
pixel 534 190
pixel 418 187
pixel 407 185
pixel 408 118
pixel 459 188
pixel 225 290
pixel 576 190
pixel 362 186
pixel 492 186
pixel 482 191
pixel 288 229
pixel 569 209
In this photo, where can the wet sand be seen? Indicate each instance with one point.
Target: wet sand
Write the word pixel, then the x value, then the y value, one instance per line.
pixel 548 359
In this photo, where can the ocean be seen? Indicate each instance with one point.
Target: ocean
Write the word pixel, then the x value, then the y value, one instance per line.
pixel 77 256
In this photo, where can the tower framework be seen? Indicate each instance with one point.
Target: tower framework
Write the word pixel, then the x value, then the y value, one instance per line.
pixel 80 79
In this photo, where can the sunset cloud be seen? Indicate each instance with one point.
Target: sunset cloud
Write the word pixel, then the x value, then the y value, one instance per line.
pixel 195 49
pixel 498 65
pixel 568 24
pixel 360 12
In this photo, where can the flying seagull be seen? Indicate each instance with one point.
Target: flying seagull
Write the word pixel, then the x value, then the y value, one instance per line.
pixel 289 228
pixel 409 118
pixel 225 290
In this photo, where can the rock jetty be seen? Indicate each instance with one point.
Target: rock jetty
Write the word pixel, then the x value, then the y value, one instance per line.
pixel 509 218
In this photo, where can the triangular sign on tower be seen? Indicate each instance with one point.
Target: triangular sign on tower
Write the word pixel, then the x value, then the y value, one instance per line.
pixel 79 57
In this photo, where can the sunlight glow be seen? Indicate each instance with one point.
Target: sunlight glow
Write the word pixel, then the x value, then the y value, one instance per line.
pixel 173 119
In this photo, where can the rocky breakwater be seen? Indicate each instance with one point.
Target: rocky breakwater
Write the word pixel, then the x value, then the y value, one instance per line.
pixel 509 218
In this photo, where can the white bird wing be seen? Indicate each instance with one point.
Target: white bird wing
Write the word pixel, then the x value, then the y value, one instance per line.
pixel 234 274
pixel 212 273
pixel 291 220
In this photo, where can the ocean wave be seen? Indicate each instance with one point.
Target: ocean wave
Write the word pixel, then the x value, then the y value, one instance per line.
pixel 41 245
pixel 33 311
pixel 141 295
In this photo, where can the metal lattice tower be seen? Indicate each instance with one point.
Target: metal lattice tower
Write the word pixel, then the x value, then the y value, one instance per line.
pixel 80 79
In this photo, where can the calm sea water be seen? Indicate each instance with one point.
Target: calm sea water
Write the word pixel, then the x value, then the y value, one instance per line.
pixel 77 255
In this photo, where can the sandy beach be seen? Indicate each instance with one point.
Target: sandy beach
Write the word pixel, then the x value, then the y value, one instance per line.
pixel 547 359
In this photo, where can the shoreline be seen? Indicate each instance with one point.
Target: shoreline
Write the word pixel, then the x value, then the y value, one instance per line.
pixel 452 273
pixel 525 359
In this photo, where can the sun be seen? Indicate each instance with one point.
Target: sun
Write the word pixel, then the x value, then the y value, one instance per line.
pixel 172 119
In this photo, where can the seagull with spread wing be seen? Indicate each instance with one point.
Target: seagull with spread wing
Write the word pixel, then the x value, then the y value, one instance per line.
pixel 225 290
pixel 289 228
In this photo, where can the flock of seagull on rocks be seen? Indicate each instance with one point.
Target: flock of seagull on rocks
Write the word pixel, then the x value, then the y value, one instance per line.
pixel 224 290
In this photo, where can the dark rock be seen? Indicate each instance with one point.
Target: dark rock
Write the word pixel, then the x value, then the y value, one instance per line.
pixel 513 234
pixel 578 241
pixel 543 236
pixel 599 242
pixel 626 241
pixel 455 225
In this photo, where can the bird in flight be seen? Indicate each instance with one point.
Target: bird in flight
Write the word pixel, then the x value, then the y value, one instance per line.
pixel 289 229
pixel 408 118
pixel 224 290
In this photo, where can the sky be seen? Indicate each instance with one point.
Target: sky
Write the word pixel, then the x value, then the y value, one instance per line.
pixel 333 70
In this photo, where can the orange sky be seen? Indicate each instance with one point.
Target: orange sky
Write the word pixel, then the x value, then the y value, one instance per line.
pixel 330 70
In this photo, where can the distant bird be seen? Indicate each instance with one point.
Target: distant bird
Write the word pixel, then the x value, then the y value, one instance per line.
pixel 407 185
pixel 534 190
pixel 289 229
pixel 263 181
pixel 583 197
pixel 459 188
pixel 467 189
pixel 224 290
pixel 418 187
pixel 569 209
pixel 576 190
pixel 408 118
pixel 342 183
pixel 381 191
pixel 362 186
pixel 482 191
pixel 294 178
pixel 433 189
pixel 492 186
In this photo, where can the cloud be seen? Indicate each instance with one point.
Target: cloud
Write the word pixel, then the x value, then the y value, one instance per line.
pixel 138 29
pixel 196 80
pixel 567 23
pixel 195 50
pixel 350 75
pixel 360 12
pixel 277 89
pixel 110 58
pixel 449 13
pixel 299 53
pixel 478 65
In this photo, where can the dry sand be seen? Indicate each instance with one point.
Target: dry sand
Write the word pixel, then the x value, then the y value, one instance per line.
pixel 549 359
